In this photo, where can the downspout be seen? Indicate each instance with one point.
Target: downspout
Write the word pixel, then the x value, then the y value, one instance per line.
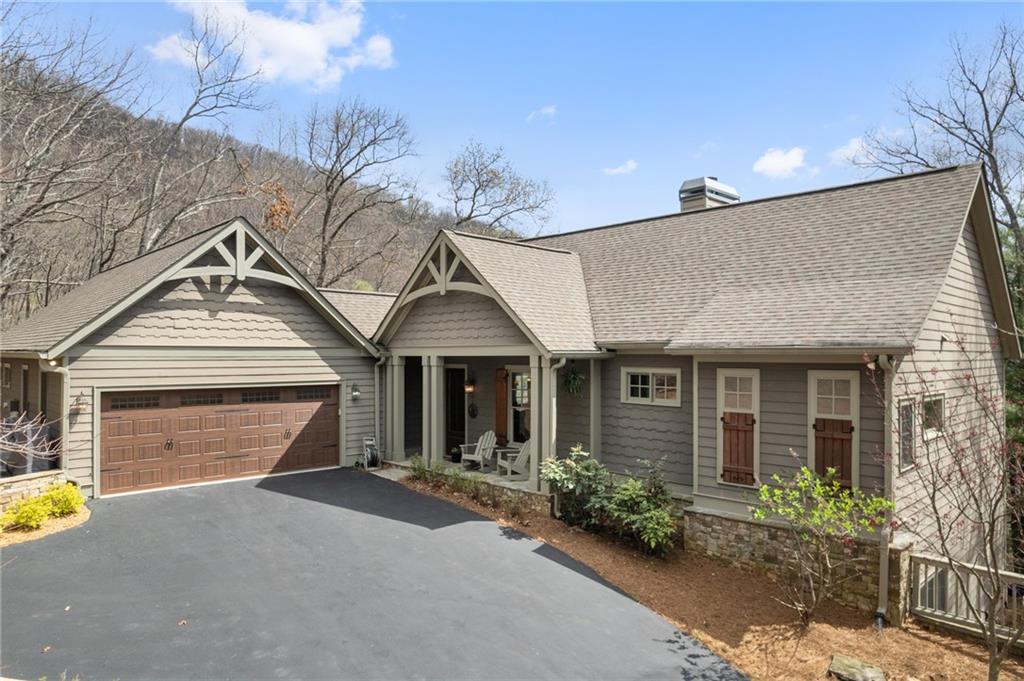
pixel 53 367
pixel 376 400
pixel 885 362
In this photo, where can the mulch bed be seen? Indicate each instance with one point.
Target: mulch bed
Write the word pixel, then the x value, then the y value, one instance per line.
pixel 734 611
pixel 51 526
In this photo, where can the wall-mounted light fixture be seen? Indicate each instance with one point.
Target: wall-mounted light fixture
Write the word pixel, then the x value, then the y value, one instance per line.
pixel 355 392
pixel 470 386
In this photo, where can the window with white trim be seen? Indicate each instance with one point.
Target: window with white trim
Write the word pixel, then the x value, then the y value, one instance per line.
pixel 908 432
pixel 8 375
pixel 651 386
pixel 738 440
pixel 933 415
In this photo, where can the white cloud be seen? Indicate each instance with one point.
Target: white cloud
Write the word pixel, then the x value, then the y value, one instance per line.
pixel 312 44
pixel 780 163
pixel 850 153
pixel 549 111
pixel 625 169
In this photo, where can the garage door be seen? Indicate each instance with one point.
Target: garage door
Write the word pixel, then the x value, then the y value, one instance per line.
pixel 164 438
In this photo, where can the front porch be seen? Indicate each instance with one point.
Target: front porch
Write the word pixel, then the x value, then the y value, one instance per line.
pixel 437 402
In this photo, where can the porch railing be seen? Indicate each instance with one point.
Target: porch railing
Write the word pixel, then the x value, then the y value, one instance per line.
pixel 938 597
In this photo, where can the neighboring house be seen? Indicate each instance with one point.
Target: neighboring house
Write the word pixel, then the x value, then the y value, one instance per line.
pixel 719 339
pixel 207 359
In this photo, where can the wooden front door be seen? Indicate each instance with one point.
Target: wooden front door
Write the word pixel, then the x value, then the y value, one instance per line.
pixel 455 407
pixel 834 411
pixel 167 438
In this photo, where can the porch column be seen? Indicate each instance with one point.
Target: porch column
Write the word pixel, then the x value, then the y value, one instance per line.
pixel 549 413
pixel 396 411
pixel 425 441
pixel 437 430
pixel 595 408
pixel 536 436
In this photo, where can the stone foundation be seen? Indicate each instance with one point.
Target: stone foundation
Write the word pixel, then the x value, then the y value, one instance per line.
pixel 20 487
pixel 765 547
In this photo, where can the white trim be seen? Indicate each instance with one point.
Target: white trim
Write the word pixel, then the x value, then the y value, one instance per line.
pixel 7 375
pixel 523 369
pixel 755 410
pixel 464 350
pixel 465 402
pixel 900 466
pixel 812 413
pixel 695 423
pixel 596 370
pixel 652 372
pixel 930 434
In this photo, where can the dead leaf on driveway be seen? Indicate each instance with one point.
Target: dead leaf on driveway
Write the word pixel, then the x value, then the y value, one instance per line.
pixel 45 649
pixel 182 623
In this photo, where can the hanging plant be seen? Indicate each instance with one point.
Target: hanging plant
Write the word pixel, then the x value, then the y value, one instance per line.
pixel 573 380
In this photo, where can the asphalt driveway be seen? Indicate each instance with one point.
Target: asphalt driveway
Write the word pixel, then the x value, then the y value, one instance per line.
pixel 333 574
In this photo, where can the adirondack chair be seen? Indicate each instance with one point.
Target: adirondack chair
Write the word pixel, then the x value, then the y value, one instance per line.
pixel 515 463
pixel 481 451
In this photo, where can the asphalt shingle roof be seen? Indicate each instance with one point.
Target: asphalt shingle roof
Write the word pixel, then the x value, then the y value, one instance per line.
pixel 365 309
pixel 543 286
pixel 79 306
pixel 856 266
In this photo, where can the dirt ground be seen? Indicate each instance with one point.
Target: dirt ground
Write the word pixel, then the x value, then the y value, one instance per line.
pixel 51 526
pixel 734 612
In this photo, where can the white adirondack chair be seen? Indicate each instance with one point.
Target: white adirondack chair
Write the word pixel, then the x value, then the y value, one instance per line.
pixel 480 452
pixel 515 464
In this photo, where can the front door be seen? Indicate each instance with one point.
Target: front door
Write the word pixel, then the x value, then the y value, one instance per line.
pixel 455 407
pixel 834 415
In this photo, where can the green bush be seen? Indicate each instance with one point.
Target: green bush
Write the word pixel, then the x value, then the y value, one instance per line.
pixel 641 511
pixel 64 499
pixel 27 514
pixel 582 486
pixel 418 468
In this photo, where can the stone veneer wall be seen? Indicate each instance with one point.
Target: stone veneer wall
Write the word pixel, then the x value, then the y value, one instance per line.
pixel 20 487
pixel 764 547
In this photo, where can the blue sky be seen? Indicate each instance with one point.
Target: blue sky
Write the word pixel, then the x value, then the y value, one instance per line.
pixel 628 100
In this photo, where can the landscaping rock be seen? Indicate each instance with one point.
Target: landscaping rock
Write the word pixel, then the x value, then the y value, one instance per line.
pixel 847 668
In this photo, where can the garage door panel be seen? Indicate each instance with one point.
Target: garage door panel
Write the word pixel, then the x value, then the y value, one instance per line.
pixel 178 437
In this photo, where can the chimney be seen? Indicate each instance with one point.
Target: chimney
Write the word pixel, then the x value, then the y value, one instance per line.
pixel 705 192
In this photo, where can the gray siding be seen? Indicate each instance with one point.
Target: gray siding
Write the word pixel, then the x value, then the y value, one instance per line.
pixel 573 410
pixel 785 426
pixel 963 311
pixel 183 336
pixel 198 312
pixel 457 319
pixel 632 431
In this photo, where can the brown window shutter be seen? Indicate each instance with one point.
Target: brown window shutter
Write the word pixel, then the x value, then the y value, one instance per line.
pixel 738 448
pixel 833 448
pixel 501 406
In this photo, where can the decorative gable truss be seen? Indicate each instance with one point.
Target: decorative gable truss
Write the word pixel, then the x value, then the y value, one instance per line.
pixel 242 258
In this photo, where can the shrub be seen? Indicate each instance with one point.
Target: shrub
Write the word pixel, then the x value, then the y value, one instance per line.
pixel 642 513
pixel 27 514
pixel 825 520
pixel 418 468
pixel 64 499
pixel 582 485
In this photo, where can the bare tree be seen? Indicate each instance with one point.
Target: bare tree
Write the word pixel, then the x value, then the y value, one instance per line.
pixel 978 117
pixel 486 194
pixel 220 85
pixel 960 478
pixel 352 151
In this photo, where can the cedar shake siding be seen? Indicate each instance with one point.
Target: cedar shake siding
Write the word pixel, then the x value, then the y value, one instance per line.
pixel 198 333
pixel 963 310
pixel 784 425
pixel 633 431
pixel 457 319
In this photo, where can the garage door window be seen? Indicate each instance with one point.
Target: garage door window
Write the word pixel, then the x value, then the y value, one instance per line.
pixel 316 392
pixel 250 396
pixel 201 399
pixel 135 402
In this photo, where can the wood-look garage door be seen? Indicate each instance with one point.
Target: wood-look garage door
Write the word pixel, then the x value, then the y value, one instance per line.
pixel 163 438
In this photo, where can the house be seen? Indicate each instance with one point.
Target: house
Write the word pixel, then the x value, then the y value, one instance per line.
pixel 722 339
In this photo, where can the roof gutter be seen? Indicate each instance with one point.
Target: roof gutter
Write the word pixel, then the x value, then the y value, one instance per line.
pixel 817 351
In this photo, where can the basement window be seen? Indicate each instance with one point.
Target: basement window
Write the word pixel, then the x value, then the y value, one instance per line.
pixel 250 396
pixel 651 386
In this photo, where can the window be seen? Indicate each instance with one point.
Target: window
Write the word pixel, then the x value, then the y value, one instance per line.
pixel 738 439
pixel 933 415
pixel 266 395
pixel 834 397
pixel 833 424
pixel 908 430
pixel 651 386
pixel 200 399
pixel 519 404
pixel 150 401
pixel 8 375
pixel 315 392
